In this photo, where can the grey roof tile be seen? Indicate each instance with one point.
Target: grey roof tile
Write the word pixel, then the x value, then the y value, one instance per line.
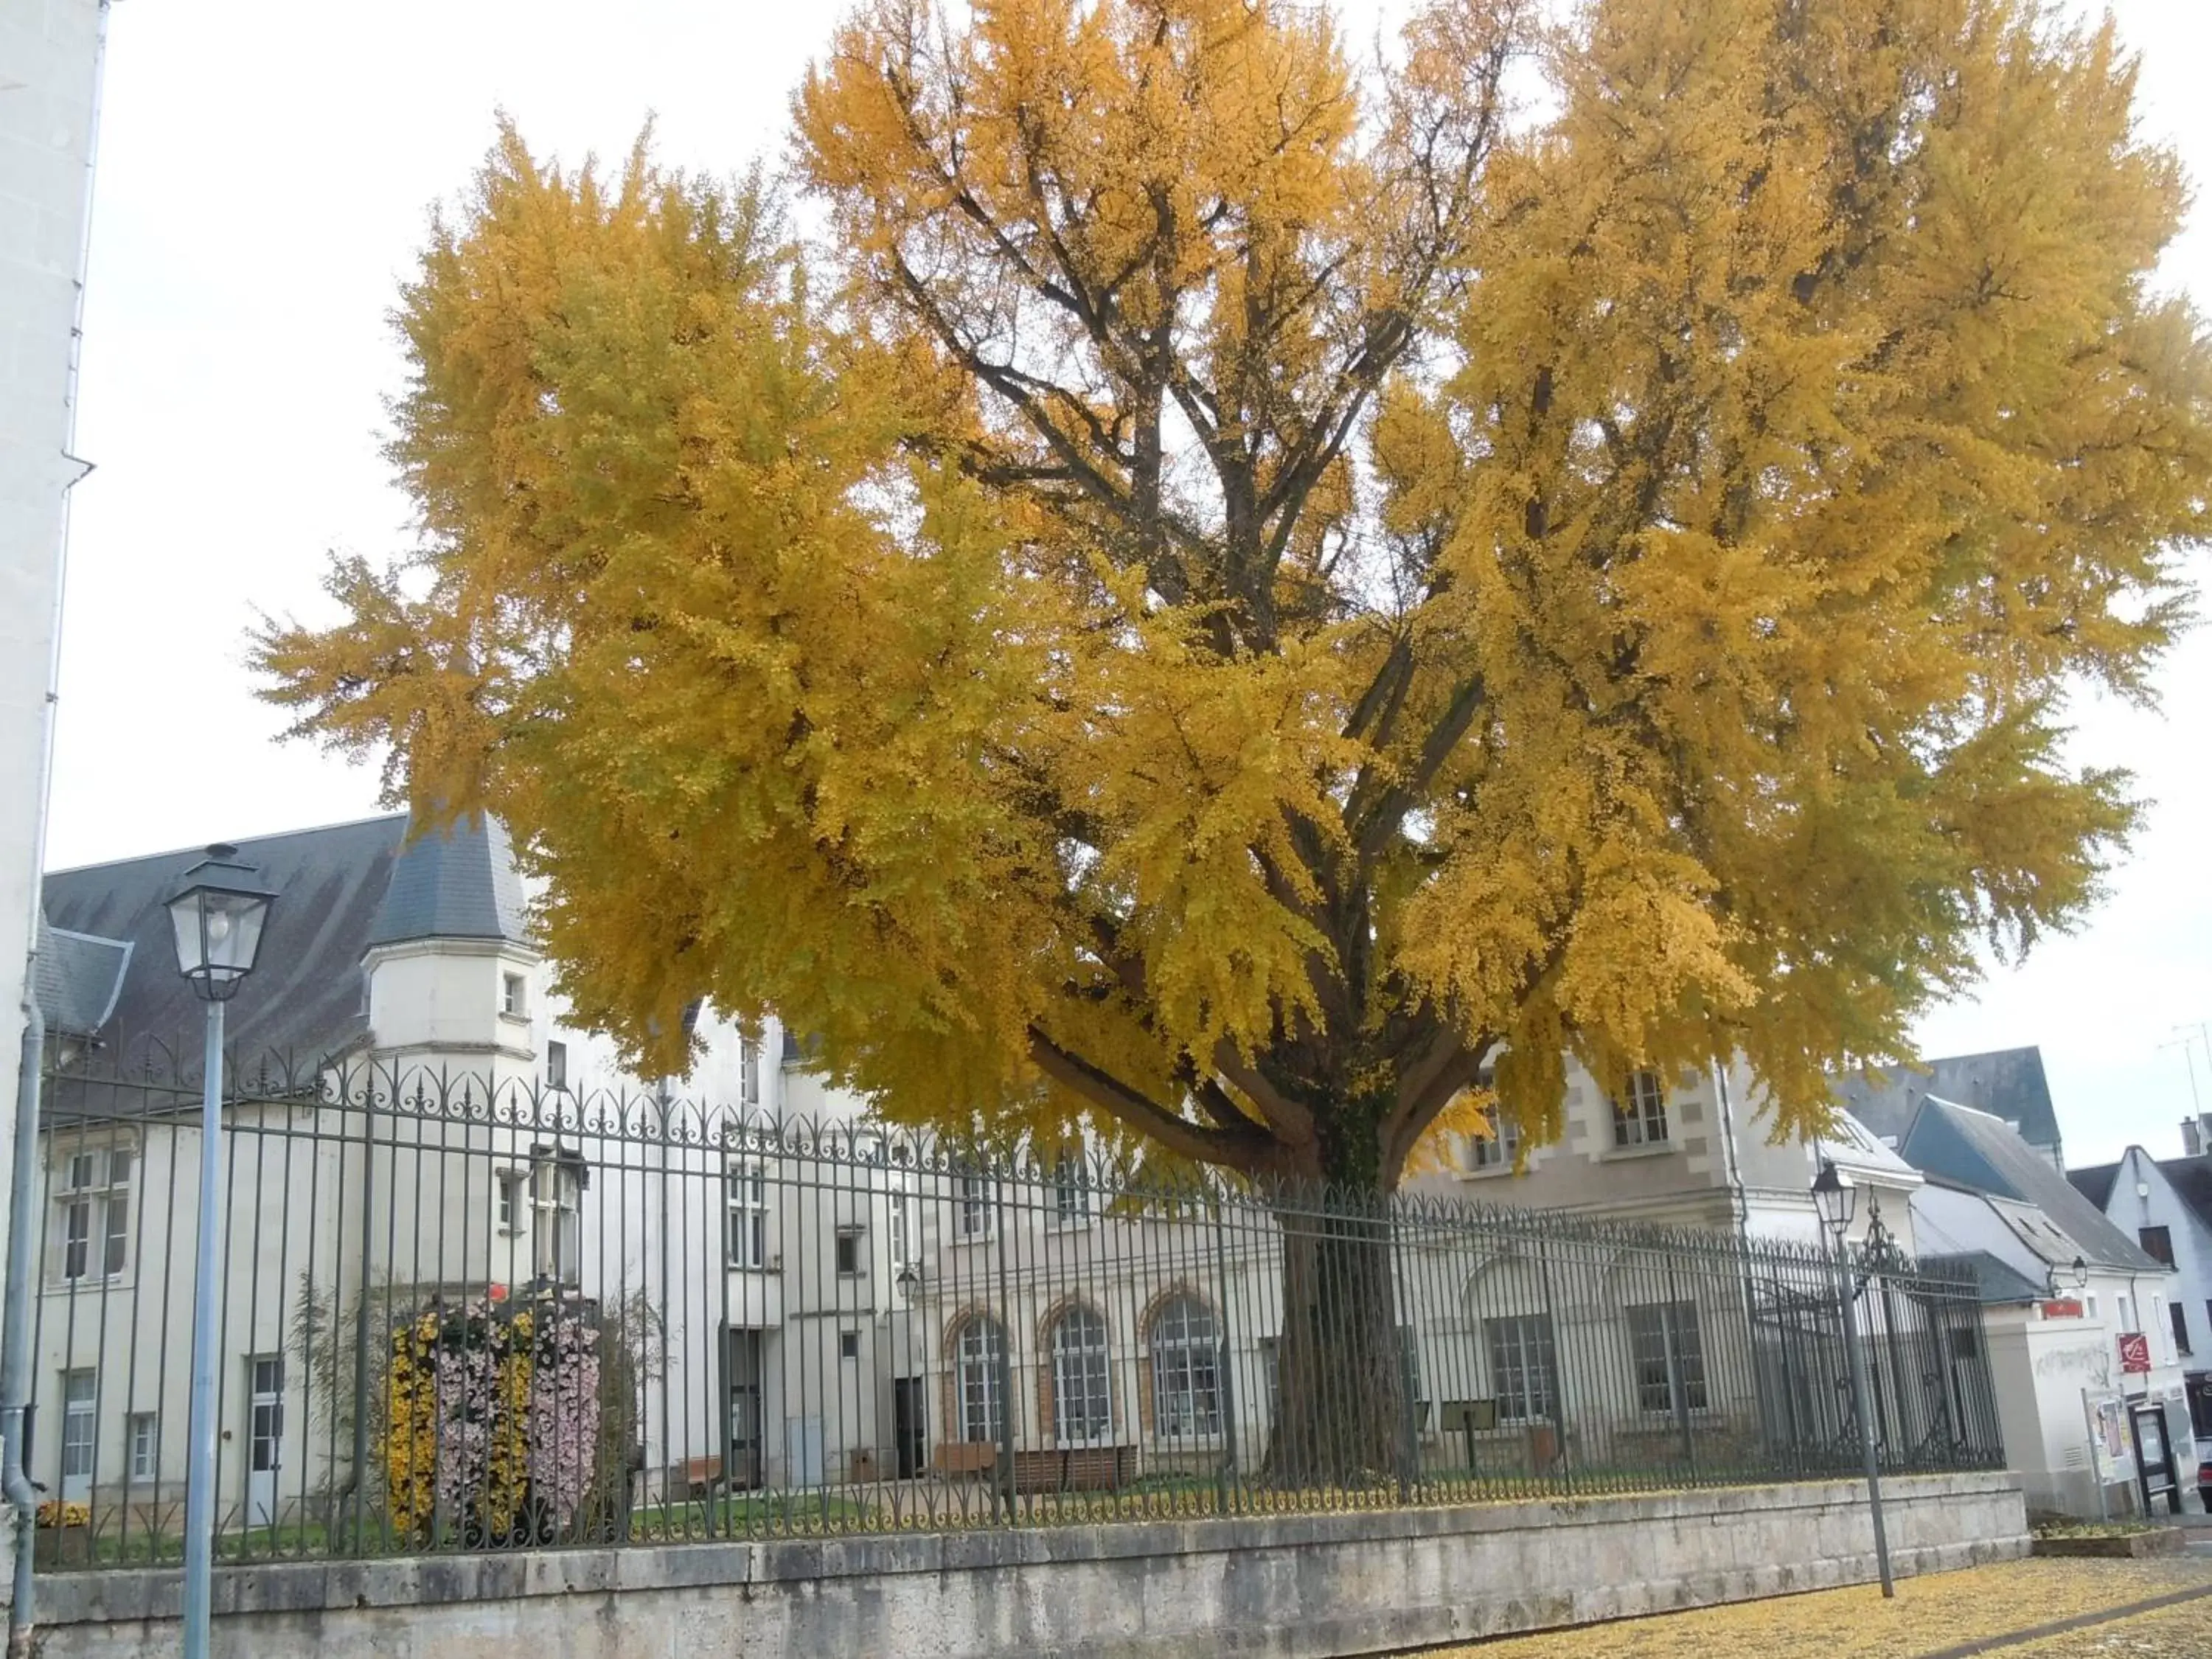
pixel 78 978
pixel 1973 1149
pixel 307 998
pixel 2005 1082
pixel 458 882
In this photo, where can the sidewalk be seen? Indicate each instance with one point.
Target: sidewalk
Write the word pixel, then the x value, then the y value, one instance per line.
pixel 2037 1609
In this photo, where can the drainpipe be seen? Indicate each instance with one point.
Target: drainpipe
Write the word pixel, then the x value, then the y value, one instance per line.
pixel 16 1334
pixel 1731 1163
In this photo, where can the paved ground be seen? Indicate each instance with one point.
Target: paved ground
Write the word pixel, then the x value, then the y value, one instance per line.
pixel 1948 1616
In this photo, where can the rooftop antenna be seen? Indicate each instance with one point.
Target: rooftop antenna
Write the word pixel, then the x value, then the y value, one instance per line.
pixel 2187 1045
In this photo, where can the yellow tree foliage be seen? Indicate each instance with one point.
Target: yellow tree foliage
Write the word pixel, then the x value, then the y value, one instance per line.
pixel 1228 593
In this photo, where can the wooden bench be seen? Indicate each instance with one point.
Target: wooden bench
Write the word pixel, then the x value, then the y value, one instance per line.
pixel 964 1457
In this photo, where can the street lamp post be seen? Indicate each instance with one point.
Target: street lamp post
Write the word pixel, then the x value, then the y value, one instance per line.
pixel 1835 1198
pixel 218 915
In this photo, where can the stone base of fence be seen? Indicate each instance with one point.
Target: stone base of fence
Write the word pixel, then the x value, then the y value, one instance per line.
pixel 1287 1587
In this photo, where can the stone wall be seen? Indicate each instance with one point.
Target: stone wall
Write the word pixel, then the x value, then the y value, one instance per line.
pixel 1290 1587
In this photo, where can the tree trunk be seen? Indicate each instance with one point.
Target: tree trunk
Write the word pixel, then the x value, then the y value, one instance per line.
pixel 1341 1416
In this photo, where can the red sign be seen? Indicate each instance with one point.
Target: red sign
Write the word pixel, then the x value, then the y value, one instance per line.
pixel 2135 1352
pixel 2065 1308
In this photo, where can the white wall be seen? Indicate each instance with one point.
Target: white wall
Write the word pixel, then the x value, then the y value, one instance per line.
pixel 49 49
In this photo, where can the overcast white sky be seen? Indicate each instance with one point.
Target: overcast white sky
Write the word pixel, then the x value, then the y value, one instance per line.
pixel 264 172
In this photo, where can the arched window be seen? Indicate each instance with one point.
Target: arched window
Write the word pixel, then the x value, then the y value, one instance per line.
pixel 1082 1403
pixel 980 1359
pixel 1185 1369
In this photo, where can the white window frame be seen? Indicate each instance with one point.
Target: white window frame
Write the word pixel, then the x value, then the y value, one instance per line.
pixel 1670 1335
pixel 1082 1374
pixel 506 1213
pixel 975 1208
pixel 1185 1345
pixel 557 1215
pixel 745 1228
pixel 902 1229
pixel 1523 1351
pixel 142 1439
pixel 85 1186
pixel 979 1381
pixel 80 1440
pixel 1071 1189
pixel 515 996
pixel 1494 1153
pixel 1643 1122
pixel 857 1236
pixel 556 1064
pixel 749 1067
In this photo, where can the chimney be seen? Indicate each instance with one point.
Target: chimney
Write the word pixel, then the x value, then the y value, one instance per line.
pixel 2192 1136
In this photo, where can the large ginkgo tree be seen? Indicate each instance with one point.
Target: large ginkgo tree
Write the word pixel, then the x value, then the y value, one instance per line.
pixel 1233 599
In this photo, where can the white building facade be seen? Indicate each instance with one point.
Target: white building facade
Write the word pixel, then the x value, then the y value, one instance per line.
pixel 49 53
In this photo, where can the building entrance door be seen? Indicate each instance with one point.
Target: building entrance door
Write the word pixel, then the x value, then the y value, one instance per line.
pixel 743 1368
pixel 265 1441
pixel 909 1427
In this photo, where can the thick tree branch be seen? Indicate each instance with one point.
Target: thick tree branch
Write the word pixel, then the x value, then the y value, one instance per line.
pixel 1250 1150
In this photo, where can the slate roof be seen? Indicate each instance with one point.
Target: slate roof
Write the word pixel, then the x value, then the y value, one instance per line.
pixel 2095 1182
pixel 1975 1150
pixel 1996 1281
pixel 461 885
pixel 2008 1083
pixel 77 978
pixel 2009 1247
pixel 2191 1178
pixel 339 889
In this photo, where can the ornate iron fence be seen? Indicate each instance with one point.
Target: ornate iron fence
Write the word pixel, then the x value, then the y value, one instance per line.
pixel 473 1312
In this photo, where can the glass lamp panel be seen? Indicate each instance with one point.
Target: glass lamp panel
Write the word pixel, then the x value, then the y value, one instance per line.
pixel 185 920
pixel 234 931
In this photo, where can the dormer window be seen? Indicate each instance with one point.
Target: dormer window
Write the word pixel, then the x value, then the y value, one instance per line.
pixel 512 995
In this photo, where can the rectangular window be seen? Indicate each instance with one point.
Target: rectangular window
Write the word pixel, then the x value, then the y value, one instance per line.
pixel 974 1198
pixel 505 1186
pixel 511 993
pixel 1409 1376
pixel 1642 1120
pixel 92 1203
pixel 556 1065
pixel 265 1436
pixel 1498 1149
pixel 145 1447
pixel 1071 1190
pixel 2157 1245
pixel 1081 1397
pixel 557 1215
pixel 1523 1366
pixel 2180 1317
pixel 79 1404
pixel 848 1345
pixel 748 1216
pixel 980 1355
pixel 1271 1378
pixel 848 1251
pixel 1669 1357
pixel 901 1231
pixel 748 1057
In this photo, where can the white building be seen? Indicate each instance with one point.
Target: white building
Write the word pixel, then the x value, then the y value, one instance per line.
pixel 2075 1312
pixel 2166 1205
pixel 1692 1150
pixel 412 1120
pixel 50 53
